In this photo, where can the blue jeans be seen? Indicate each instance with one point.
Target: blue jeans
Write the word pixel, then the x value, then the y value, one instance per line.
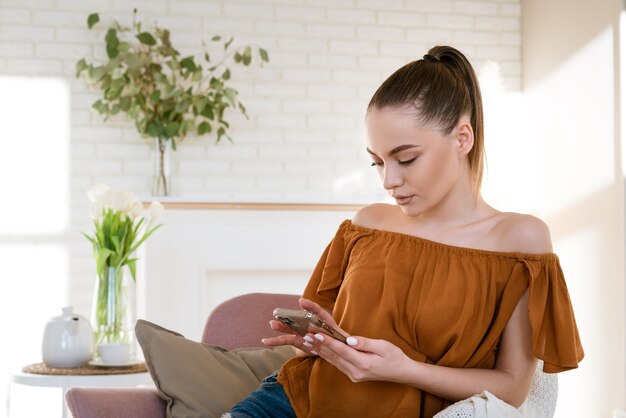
pixel 267 401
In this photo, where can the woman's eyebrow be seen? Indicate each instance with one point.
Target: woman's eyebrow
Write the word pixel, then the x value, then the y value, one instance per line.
pixel 396 149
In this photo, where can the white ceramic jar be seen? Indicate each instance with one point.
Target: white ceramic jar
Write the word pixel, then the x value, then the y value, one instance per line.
pixel 67 340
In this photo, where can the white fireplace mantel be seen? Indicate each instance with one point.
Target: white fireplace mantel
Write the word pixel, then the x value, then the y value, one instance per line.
pixel 207 252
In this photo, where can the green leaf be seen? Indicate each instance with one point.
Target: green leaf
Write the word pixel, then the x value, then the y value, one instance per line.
pixel 247 56
pixel 231 95
pixel 188 64
pixel 146 235
pixel 206 57
pixel 96 73
pixel 125 103
pixel 111 43
pixel 132 266
pixel 227 44
pixel 197 76
pixel 146 38
pixel 204 128
pixel 207 112
pixel 153 130
pixel 199 105
pixel 242 109
pixel 171 129
pixel 93 241
pixel 237 58
pixel 155 96
pixel 101 259
pixel 92 19
pixel 165 39
pixel 116 243
pixel 226 75
pixel 264 56
pixel 220 133
pixel 216 38
pixel 101 107
pixel 188 126
pixel 80 66
pixel 216 84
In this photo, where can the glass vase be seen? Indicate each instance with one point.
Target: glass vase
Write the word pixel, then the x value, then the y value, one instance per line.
pixel 161 172
pixel 113 306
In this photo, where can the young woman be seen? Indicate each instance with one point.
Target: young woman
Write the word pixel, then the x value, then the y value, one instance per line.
pixel 444 296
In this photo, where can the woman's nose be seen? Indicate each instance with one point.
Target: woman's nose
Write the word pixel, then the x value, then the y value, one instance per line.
pixel 391 178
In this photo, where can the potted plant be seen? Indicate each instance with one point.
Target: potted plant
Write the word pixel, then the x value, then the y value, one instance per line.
pixel 120 228
pixel 166 95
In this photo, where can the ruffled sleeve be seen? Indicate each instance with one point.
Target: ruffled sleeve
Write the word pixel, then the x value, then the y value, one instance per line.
pixel 323 286
pixel 554 333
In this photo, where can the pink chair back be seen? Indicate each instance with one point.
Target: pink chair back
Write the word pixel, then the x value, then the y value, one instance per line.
pixel 243 320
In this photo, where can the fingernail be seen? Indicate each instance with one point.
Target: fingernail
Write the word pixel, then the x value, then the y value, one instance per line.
pixel 308 338
pixel 307 344
pixel 263 340
pixel 314 353
pixel 319 337
pixel 351 341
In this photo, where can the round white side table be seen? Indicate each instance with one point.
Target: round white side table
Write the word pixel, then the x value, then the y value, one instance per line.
pixel 64 382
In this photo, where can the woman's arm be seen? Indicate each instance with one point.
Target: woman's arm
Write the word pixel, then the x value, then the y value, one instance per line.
pixel 510 380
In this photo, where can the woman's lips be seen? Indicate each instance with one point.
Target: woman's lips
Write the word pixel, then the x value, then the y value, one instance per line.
pixel 403 200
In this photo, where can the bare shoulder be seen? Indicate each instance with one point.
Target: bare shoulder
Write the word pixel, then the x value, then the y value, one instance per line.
pixel 375 216
pixel 523 233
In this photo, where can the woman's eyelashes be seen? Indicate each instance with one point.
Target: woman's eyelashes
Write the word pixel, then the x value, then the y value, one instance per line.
pixel 401 162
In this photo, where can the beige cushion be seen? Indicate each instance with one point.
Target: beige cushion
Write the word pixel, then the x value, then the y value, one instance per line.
pixel 200 380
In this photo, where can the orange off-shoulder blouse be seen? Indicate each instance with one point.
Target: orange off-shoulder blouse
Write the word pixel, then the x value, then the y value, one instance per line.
pixel 439 303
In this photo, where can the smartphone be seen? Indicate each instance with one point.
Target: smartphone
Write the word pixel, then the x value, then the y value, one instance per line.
pixel 302 322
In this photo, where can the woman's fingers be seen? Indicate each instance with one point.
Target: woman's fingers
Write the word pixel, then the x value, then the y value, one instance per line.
pixel 364 358
pixel 280 327
pixel 319 311
pixel 287 339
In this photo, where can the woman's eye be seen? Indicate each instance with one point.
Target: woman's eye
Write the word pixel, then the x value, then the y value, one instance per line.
pixel 407 162
pixel 375 164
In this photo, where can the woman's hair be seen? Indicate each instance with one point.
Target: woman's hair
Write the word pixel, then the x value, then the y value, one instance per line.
pixel 443 87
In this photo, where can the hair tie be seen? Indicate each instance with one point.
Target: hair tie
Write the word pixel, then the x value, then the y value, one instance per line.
pixel 431 58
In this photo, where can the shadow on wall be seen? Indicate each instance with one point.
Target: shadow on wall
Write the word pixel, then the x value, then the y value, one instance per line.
pixel 570 68
pixel 572 24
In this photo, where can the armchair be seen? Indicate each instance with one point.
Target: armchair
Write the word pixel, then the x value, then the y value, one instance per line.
pixel 237 323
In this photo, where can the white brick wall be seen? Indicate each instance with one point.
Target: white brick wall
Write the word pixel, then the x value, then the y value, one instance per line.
pixel 306 106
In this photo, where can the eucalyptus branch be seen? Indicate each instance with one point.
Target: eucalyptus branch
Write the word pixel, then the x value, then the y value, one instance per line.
pixel 167 96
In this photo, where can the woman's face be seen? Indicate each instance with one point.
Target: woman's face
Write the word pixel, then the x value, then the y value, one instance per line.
pixel 417 163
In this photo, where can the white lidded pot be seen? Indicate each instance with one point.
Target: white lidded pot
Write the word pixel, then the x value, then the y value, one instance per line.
pixel 67 340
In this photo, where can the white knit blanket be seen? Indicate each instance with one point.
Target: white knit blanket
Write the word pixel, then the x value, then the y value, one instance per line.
pixel 540 403
pixel 484 405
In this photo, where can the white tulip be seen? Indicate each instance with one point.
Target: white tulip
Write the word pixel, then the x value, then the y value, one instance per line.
pixel 107 199
pixel 126 201
pixel 136 209
pixel 95 193
pixel 96 210
pixel 156 210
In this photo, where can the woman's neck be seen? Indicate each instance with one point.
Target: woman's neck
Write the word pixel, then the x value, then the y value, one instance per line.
pixel 461 207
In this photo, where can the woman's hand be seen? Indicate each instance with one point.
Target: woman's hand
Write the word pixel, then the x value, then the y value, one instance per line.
pixel 363 358
pixel 291 337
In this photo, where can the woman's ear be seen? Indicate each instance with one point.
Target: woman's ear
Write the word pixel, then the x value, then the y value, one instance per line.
pixel 465 136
